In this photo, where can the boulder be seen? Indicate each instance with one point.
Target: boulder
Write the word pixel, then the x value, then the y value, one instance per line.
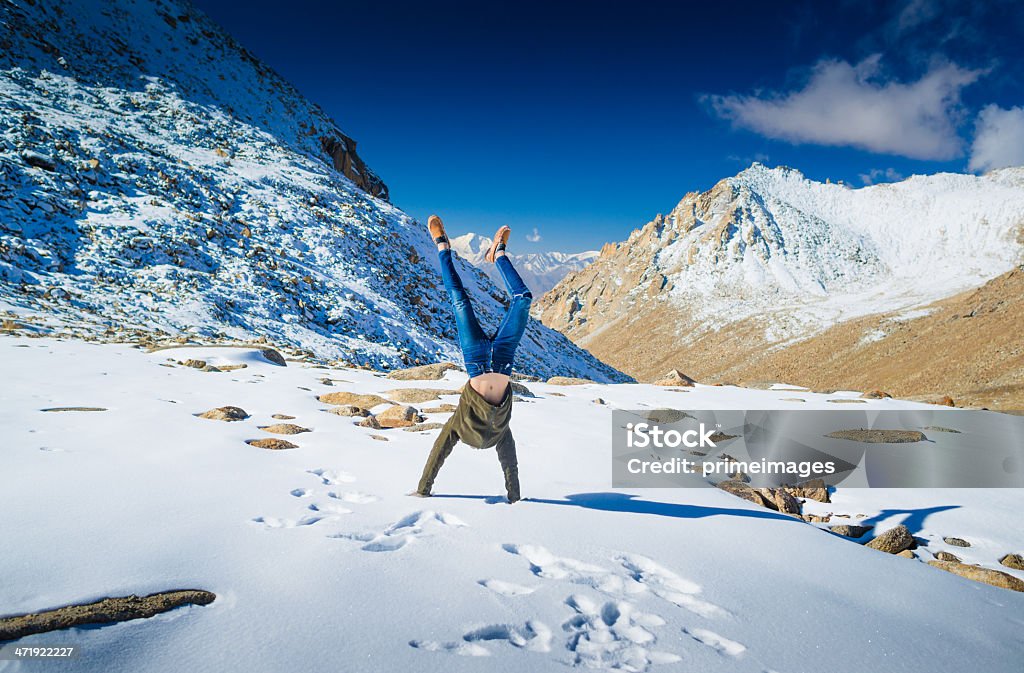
pixel 848 530
pixel 369 422
pixel 876 395
pixel 349 410
pixel 282 417
pixel 742 490
pixel 996 578
pixel 944 401
pixel 906 553
pixel 812 489
pixel 946 556
pixel 440 409
pixel 225 414
pixel 420 427
pixel 362 401
pixel 879 436
pixel 398 416
pixel 1015 561
pixel 675 378
pixel 194 364
pixel 271 355
pixel 272 443
pixel 418 395
pixel 816 518
pixel 893 541
pixel 956 541
pixel 568 381
pixel 284 429
pixel 780 500
pixel 431 372
pixel 520 389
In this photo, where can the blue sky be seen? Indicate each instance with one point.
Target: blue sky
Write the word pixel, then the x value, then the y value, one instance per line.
pixel 584 120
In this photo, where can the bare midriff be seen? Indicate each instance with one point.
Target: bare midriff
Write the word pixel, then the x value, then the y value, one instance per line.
pixel 491 387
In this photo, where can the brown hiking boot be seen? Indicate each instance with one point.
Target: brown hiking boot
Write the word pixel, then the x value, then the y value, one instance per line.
pixel 500 239
pixel 436 228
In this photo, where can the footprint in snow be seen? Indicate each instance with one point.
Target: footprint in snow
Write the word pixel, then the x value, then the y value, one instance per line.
pixel 331 477
pixel 534 636
pixel 276 522
pixel 354 497
pixel 402 532
pixel 716 642
pixel 613 635
pixel 506 588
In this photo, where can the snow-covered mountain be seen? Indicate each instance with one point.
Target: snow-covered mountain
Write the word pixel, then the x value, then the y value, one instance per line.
pixel 770 257
pixel 156 179
pixel 541 271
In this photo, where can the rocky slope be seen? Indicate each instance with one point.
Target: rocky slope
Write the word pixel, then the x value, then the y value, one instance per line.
pixel 758 277
pixel 541 271
pixel 157 181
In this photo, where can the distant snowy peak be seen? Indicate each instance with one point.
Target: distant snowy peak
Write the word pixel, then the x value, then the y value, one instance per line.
pixel 540 270
pixel 802 255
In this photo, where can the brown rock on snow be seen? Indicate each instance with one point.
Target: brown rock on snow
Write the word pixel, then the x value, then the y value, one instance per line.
pixel 956 541
pixel 283 417
pixel 225 414
pixel 370 422
pixel 418 395
pixel 105 611
pixel 847 530
pixel 675 378
pixel 568 381
pixel 812 489
pixel 273 356
pixel 355 399
pixel 440 409
pixel 272 443
pixel 421 427
pixel 349 410
pixel 1015 561
pixel 879 436
pixel 893 541
pixel 284 429
pixel 432 372
pixel 996 578
pixel 946 556
pixel 876 395
pixel 770 498
pixel 398 417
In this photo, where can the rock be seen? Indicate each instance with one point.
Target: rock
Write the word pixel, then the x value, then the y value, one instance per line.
pixel 273 356
pixel 1015 561
pixel 879 436
pixel 568 381
pixel 946 556
pixel 440 409
pixel 770 498
pixel 876 395
pixel 556 394
pixel 349 410
pixel 956 541
pixel 675 378
pixel 520 389
pixel 780 500
pixel 812 489
pixel 362 401
pixel 272 443
pixel 996 578
pixel 399 417
pixel 105 611
pixel 418 395
pixel 231 368
pixel 53 409
pixel 945 401
pixel 285 429
pixel 847 530
pixel 282 417
pixel 816 518
pixel 432 372
pixel 598 400
pixel 665 416
pixel 847 401
pixel 194 364
pixel 369 422
pixel 380 438
pixel 906 553
pixel 210 368
pixel 420 427
pixel 225 414
pixel 38 160
pixel 893 541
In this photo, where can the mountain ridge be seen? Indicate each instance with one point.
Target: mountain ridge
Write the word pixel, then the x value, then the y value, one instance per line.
pixel 539 270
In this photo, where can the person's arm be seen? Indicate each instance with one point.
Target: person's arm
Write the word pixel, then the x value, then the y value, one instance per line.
pixel 443 445
pixel 506 448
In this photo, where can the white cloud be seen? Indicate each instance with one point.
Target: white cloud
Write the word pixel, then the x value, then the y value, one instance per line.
pixel 853 105
pixel 876 175
pixel 534 237
pixel 998 139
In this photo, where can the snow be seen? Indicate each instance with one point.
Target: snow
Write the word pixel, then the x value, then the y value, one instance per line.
pixel 320 562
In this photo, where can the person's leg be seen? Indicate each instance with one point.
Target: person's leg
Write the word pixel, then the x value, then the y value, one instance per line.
pixel 476 347
pixel 513 325
pixel 438 454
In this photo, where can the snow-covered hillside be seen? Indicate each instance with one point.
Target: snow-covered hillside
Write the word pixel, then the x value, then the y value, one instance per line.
pixel 541 271
pixel 156 179
pixel 320 562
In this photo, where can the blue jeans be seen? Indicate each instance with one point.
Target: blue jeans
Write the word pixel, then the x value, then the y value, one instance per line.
pixel 480 353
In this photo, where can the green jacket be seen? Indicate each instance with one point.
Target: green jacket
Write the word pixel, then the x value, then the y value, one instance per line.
pixel 481 425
